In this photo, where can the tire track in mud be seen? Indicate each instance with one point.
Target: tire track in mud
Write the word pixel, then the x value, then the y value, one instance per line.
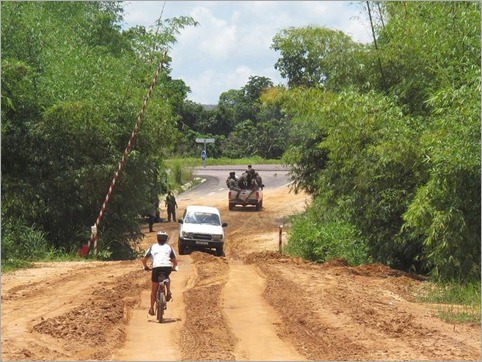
pixel 252 319
pixel 335 312
pixel 312 336
pixel 205 334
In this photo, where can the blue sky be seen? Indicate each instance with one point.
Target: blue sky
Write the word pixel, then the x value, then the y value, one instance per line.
pixel 233 39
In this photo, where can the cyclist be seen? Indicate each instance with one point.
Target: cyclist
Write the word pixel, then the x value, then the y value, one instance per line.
pixel 163 262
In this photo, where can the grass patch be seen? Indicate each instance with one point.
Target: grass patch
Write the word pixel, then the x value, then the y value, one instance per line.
pixel 196 162
pixel 179 172
pixel 196 182
pixel 11 265
pixel 459 303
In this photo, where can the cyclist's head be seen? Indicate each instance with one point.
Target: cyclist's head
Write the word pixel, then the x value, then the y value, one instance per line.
pixel 162 237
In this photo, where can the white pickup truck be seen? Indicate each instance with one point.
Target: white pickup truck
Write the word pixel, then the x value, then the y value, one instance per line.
pixel 201 228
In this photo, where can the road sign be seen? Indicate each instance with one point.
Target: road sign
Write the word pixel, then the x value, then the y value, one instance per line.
pixel 205 140
pixel 203 155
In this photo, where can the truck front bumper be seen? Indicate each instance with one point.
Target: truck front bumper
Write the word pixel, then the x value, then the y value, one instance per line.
pixel 195 244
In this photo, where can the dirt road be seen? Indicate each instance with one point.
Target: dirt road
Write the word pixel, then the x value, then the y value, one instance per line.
pixel 252 304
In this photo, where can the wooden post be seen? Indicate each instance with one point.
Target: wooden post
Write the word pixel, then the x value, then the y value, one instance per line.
pixel 280 227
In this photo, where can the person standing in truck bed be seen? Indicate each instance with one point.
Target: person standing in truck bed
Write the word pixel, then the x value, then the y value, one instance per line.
pixel 250 177
pixel 232 180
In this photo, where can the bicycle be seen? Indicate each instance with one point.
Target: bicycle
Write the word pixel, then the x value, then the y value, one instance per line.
pixel 160 304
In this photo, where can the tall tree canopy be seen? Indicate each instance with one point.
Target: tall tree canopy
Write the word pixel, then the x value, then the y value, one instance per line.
pixel 72 86
pixel 314 56
pixel 390 150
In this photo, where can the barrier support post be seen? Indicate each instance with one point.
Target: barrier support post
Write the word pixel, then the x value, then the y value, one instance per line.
pixel 280 227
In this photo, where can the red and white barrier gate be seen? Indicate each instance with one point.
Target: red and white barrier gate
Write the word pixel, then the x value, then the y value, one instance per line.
pixel 93 237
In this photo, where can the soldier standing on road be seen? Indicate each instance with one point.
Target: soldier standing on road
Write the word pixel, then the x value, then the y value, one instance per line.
pixel 171 205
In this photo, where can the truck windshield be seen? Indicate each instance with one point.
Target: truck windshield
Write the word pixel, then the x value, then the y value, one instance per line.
pixel 202 218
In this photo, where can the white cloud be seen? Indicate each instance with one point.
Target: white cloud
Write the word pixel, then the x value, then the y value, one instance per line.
pixel 234 38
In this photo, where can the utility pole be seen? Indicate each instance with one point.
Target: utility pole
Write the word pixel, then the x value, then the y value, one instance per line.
pixel 203 152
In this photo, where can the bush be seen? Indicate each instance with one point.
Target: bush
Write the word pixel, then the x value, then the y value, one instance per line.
pixel 21 242
pixel 317 239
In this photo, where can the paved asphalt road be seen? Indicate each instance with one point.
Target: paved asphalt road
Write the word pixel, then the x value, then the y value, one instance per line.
pixel 215 179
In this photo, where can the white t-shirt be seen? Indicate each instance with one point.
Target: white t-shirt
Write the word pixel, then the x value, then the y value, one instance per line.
pixel 161 254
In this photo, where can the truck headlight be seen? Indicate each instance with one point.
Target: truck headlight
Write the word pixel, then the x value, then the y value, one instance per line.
pixel 217 237
pixel 187 235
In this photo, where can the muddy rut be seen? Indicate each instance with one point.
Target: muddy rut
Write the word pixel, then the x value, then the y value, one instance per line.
pixel 252 304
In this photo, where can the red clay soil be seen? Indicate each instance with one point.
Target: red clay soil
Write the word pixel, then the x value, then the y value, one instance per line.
pixel 252 304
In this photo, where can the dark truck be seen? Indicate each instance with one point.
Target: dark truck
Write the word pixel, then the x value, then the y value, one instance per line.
pixel 240 197
pixel 240 194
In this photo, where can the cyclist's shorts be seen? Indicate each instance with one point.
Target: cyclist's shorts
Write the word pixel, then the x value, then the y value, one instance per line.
pixel 163 272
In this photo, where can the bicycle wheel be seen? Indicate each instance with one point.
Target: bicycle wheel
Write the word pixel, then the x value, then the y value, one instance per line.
pixel 161 304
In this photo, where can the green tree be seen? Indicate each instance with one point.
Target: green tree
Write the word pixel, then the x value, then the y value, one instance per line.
pixel 232 109
pixel 71 93
pixel 446 209
pixel 396 154
pixel 359 158
pixel 314 56
pixel 255 87
pixel 256 127
pixel 425 46
pixel 240 142
pixel 272 131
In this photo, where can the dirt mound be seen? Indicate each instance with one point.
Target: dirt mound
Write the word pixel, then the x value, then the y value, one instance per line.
pixel 101 319
pixel 273 256
pixel 383 271
pixel 336 262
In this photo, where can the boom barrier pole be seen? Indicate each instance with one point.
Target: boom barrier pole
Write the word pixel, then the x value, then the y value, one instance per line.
pixel 94 237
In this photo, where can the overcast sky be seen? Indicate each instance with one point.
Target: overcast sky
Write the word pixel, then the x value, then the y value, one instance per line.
pixel 233 39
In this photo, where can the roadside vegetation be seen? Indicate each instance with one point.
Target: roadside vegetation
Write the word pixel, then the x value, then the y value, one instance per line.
pixel 384 137
pixel 454 302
